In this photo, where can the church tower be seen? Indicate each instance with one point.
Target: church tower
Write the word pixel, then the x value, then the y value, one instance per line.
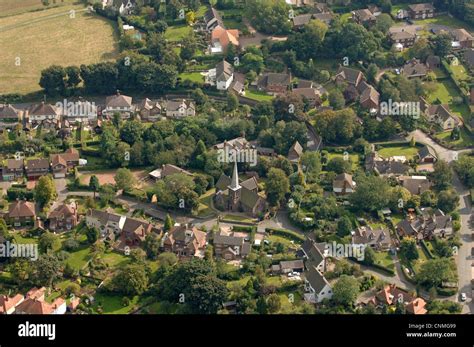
pixel 234 190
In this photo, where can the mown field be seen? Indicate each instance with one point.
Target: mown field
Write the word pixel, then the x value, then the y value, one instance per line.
pixel 40 39
pixel 10 7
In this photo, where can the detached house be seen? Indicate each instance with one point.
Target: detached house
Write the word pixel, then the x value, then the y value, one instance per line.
pixel 414 68
pixel 123 7
pixel 404 38
pixel 107 223
pixel 180 108
pixel 274 83
pixel 21 213
pixel 462 38
pixel 421 11
pixel 317 288
pixel 431 223
pixel 35 303
pixel 150 111
pixel 213 19
pixel 365 16
pixel 9 117
pixel 229 246
pixel 415 184
pixel 315 254
pixel 378 239
pixel 224 75
pixel 295 152
pixel 134 232
pixel 35 168
pixel 391 295
pixel 343 184
pixel 185 242
pixel 8 304
pixel 12 169
pixel 427 155
pixel 350 76
pixel 221 38
pixel 442 116
pixel 120 104
pixel 63 217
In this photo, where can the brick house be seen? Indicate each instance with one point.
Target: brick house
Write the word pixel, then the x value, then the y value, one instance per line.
pixel 21 213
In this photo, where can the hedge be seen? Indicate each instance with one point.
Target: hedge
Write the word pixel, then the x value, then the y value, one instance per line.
pixel 19 193
pixel 425 247
pixel 242 228
pixel 447 291
pixel 289 234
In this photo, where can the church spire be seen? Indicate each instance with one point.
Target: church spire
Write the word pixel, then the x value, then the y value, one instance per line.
pixel 234 183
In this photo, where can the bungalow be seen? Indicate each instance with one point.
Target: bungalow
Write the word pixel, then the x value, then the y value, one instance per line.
pixel 221 38
pixel 415 184
pixel 150 111
pixel 13 169
pixel 120 104
pixel 317 288
pixel 343 184
pixel 378 239
pixel 288 266
pixel 180 108
pixel 386 167
pixel 421 11
pixel 295 153
pixel 63 217
pixel 166 170
pixel 8 304
pixel 185 241
pixel 427 155
pixel 9 117
pixel 414 68
pixel 36 168
pixel 441 116
pixel 40 112
pixel 229 246
pixel 274 83
pixel 21 213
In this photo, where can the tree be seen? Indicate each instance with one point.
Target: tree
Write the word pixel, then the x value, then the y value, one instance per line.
pixel 45 190
pixel 371 193
pixel 442 175
pixel 131 280
pixel 169 223
pixel 53 80
pixel 370 257
pixel 152 245
pixel 107 193
pixel 46 270
pixel 344 226
pixel 448 200
pixel 372 72
pixel 336 99
pixel 345 290
pixel 339 165
pixel 92 235
pixel 434 272
pixel 408 249
pixel 47 242
pixel 167 259
pixel 232 102
pixel 94 184
pixel 273 303
pixel 124 179
pixel 442 44
pixel 384 22
pixel 207 294
pixel 268 16
pixel 278 185
pixel 311 164
pixel 132 132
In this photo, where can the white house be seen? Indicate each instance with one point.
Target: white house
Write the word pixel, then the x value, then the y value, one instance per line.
pixel 105 222
pixel 224 75
pixel 316 286
pixel 40 112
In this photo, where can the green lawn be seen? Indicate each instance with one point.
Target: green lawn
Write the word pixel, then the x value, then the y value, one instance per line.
pixel 231 23
pixel 354 157
pixel 445 20
pixel 192 76
pixel 178 32
pixel 465 140
pixel 384 259
pixel 460 72
pixel 445 92
pixel 205 203
pixel 282 240
pixel 114 259
pixel 257 95
pixel 112 304
pixel 79 258
pixel 408 152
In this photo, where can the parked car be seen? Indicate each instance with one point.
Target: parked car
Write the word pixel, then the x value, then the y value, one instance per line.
pixel 463 297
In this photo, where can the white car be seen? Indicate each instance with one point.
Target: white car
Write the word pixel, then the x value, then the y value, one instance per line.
pixel 463 297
